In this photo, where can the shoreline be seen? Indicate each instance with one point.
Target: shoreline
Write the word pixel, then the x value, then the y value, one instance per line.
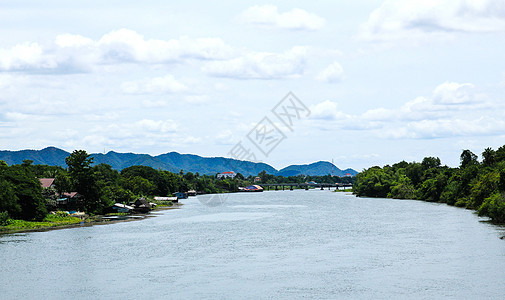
pixel 95 220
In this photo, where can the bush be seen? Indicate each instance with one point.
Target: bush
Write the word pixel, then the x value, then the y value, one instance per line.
pixel 461 203
pixel 494 207
pixel 4 218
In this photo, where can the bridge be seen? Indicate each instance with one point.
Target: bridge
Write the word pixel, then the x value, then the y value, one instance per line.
pixel 306 186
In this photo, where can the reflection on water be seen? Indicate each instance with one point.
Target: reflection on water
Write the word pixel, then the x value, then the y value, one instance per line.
pixel 292 244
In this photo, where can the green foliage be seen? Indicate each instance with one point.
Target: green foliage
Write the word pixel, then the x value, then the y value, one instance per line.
pixel 85 181
pixel 488 157
pixel 494 207
pixel 21 194
pixel 139 186
pixel 483 188
pixel 472 185
pixel 468 158
pixel 9 202
pixel 373 182
pixel 47 222
pixel 4 218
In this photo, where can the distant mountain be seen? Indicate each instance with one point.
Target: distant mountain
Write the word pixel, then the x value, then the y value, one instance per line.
pixel 319 168
pixel 47 156
pixel 173 162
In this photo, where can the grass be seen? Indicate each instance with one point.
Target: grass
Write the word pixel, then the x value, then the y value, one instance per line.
pixel 346 190
pixel 48 222
pixel 160 203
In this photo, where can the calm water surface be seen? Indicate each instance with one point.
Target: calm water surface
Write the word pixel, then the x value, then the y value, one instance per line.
pixel 290 244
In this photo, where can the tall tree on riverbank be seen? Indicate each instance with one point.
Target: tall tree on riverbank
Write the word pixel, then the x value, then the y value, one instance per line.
pixel 84 181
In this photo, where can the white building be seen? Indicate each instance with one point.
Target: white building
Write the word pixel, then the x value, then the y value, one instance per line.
pixel 230 174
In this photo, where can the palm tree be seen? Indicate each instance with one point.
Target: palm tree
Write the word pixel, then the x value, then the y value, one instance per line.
pixel 488 157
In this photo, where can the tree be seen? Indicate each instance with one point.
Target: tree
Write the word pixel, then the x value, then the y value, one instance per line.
pixel 500 154
pixel 468 158
pixel 62 183
pixel 27 162
pixel 83 180
pixel 9 202
pixel 23 189
pixel 430 162
pixel 488 157
pixel 139 186
pixel 151 174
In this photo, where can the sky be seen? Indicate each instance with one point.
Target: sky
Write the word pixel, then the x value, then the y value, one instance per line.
pixel 359 83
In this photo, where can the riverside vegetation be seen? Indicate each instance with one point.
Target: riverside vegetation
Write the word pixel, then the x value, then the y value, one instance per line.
pixel 473 185
pixel 25 204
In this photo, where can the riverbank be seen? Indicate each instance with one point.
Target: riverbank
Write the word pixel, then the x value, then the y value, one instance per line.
pixel 54 222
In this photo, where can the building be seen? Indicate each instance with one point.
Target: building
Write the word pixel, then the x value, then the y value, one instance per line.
pixel 47 182
pixel 257 179
pixel 230 174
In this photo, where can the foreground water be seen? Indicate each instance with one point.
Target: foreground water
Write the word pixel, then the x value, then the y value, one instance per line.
pixel 285 244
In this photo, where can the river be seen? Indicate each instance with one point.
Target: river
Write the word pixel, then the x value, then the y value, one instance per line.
pixel 270 245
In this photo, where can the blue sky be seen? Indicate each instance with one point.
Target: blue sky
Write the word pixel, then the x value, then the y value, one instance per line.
pixel 383 80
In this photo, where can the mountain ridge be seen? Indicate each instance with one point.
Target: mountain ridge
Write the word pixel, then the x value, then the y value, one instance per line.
pixel 174 162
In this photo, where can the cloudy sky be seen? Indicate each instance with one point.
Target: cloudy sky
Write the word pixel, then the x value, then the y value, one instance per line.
pixel 384 81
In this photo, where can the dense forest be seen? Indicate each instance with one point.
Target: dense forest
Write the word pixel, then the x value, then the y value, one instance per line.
pixel 473 185
pixel 22 196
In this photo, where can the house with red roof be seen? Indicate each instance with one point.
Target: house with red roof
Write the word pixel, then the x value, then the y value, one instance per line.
pixel 47 182
pixel 229 174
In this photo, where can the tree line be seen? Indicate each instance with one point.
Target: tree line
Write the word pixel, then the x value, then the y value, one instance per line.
pixel 100 186
pixel 473 185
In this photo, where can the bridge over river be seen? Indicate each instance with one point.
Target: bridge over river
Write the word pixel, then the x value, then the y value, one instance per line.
pixel 306 186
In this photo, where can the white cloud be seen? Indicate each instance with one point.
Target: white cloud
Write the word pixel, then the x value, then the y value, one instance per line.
pixel 23 56
pixel 429 129
pixel 261 65
pixel 327 110
pixel 453 109
pixel 156 85
pixel 453 93
pixel 127 45
pixel 269 16
pixel 425 19
pixel 73 40
pixel 332 73
pixel 78 53
pixel 225 137
pixel 190 140
pixel 156 126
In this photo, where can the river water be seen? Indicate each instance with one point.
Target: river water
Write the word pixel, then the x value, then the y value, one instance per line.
pixel 270 245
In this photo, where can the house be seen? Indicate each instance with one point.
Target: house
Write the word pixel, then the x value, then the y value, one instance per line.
pixel 257 179
pixel 230 174
pixel 47 182
pixel 142 206
pixel 72 200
